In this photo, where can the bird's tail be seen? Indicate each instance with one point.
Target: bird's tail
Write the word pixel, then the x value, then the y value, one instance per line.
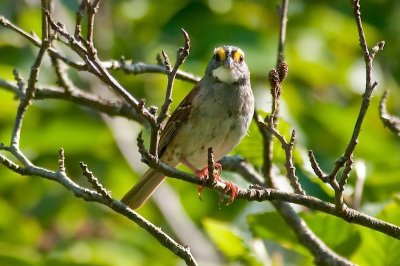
pixel 143 189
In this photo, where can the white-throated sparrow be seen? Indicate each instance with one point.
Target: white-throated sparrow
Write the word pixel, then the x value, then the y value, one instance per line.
pixel 216 113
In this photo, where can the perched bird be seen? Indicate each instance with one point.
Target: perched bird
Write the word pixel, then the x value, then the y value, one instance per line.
pixel 216 113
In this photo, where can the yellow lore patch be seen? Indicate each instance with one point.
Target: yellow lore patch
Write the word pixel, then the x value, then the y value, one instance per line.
pixel 220 52
pixel 238 56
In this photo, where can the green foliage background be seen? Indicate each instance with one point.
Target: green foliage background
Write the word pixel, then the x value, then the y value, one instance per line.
pixel 43 224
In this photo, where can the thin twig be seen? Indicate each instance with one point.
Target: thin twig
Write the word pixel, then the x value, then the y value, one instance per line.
pixel 62 77
pixel 346 173
pixel 92 8
pixel 83 98
pixel 210 164
pixel 317 169
pixel 61 160
pixel 345 159
pixel 29 93
pixel 283 10
pixel 140 68
pixel 46 4
pixel 20 82
pixel 288 148
pixel 182 53
pixel 290 169
pixel 331 181
pixel 78 22
pixel 94 181
pixel 388 120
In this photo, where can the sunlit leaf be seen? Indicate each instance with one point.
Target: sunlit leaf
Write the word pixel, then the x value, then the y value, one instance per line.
pixel 230 242
pixel 377 248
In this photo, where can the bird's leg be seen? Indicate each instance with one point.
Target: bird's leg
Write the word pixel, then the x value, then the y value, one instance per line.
pixel 203 174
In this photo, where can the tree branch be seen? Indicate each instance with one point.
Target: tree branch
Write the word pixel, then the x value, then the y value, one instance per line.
pixel 125 65
pixel 252 194
pixel 83 98
pixel 52 51
pixel 95 67
pixel 346 158
pixel 323 254
pixel 95 196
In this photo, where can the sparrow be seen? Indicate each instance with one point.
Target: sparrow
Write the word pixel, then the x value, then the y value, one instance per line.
pixel 216 113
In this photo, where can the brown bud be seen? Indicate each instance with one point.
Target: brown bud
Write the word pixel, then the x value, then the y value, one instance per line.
pixel 273 78
pixel 282 70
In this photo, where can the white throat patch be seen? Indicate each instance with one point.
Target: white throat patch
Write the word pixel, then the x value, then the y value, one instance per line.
pixel 225 75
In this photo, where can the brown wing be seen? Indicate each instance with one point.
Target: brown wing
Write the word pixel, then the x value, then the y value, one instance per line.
pixel 179 116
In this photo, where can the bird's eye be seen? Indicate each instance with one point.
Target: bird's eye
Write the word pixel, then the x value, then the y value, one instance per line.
pixel 217 58
pixel 241 58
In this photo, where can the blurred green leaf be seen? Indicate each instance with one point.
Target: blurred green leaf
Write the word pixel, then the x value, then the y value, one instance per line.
pixel 17 255
pixel 251 146
pixel 230 242
pixel 273 227
pixel 327 228
pixel 377 248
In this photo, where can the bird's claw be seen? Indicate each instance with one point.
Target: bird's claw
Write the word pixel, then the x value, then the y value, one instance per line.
pixel 229 186
pixel 233 189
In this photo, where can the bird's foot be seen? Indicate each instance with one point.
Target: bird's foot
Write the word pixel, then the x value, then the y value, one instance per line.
pixel 203 175
pixel 229 186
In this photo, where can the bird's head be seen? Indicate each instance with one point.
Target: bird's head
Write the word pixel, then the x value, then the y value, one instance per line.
pixel 228 66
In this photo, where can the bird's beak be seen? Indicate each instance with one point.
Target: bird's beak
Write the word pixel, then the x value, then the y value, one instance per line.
pixel 228 63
